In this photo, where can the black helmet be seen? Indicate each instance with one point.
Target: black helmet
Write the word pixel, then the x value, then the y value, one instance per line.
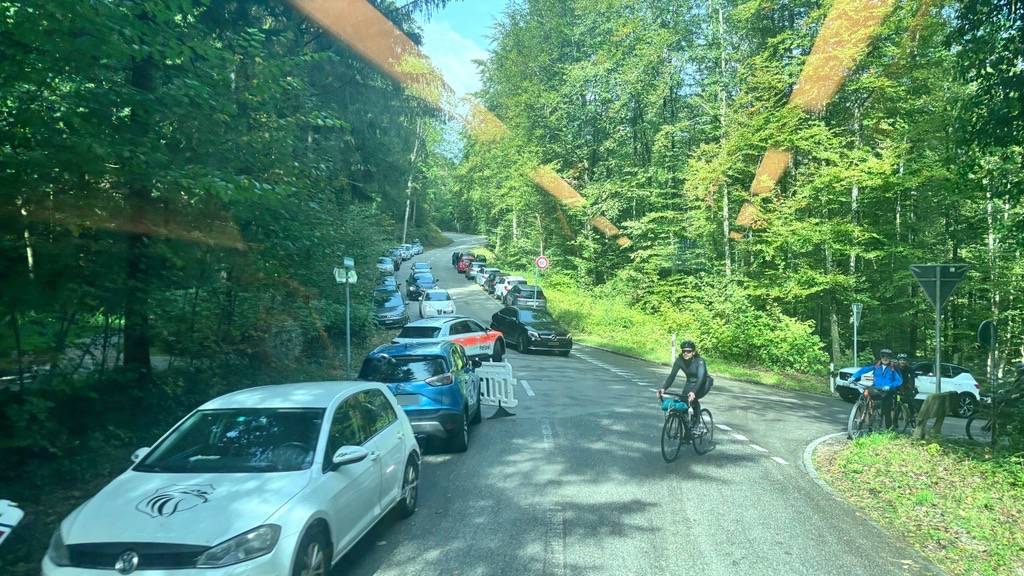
pixel 687 345
pixel 885 352
pixel 901 356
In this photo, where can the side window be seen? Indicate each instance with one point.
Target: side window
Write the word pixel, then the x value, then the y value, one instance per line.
pixel 458 360
pixel 380 413
pixel 346 429
pixel 951 371
pixel 473 326
pixel 455 329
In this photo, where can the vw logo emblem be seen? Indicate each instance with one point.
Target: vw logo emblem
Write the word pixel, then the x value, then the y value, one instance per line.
pixel 127 562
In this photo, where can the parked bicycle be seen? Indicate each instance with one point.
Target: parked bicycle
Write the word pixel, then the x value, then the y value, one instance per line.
pixel 678 430
pixel 865 416
pixel 994 415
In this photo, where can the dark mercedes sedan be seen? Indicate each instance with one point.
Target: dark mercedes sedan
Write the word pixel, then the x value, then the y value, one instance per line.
pixel 527 329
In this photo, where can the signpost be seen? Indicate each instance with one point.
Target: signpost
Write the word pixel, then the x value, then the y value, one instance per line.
pixel 938 282
pixel 542 263
pixel 347 275
pixel 857 308
pixel 987 335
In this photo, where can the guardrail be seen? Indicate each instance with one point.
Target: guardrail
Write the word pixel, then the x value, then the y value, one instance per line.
pixel 497 386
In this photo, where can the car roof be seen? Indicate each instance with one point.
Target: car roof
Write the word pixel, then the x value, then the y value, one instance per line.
pixel 437 291
pixel 299 395
pixel 432 347
pixel 441 321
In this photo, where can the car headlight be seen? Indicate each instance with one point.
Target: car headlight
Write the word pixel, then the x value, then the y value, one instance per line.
pixel 533 335
pixel 252 544
pixel 58 552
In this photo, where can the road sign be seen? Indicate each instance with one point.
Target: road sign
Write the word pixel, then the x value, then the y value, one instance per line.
pixel 342 276
pixel 939 280
pixel 542 262
pixel 987 334
pixel 857 308
pixel 348 262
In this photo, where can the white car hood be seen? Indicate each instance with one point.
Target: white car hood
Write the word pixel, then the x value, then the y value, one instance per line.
pixel 200 509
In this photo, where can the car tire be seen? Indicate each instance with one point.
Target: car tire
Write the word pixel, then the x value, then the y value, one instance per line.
pixel 524 346
pixel 965 405
pixel 313 555
pixel 564 352
pixel 459 442
pixel 478 415
pixel 410 488
pixel 499 351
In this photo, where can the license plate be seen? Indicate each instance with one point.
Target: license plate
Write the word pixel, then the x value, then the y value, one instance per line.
pixel 408 399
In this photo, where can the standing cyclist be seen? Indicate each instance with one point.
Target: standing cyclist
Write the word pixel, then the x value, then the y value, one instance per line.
pixel 698 381
pixel 887 381
pixel 908 389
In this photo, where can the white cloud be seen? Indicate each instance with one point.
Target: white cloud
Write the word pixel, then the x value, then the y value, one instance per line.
pixel 453 54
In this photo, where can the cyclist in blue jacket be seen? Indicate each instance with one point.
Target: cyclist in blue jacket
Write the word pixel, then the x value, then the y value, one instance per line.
pixel 887 382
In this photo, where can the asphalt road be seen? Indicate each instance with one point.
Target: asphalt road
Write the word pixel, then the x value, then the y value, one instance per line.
pixel 575 482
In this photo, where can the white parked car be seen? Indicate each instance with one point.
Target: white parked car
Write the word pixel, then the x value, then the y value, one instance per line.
pixel 502 288
pixel 273 480
pixel 481 275
pixel 417 247
pixel 436 303
pixel 954 379
pixel 407 252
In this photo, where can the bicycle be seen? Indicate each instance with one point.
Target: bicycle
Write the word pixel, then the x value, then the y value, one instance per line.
pixel 677 428
pixel 865 416
pixel 903 416
pixel 993 415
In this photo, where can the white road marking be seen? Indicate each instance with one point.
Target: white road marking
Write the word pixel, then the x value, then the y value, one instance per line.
pixel 554 542
pixel 779 460
pixel 723 427
pixel 526 386
pixel 549 438
pixel 741 437
pixel 758 448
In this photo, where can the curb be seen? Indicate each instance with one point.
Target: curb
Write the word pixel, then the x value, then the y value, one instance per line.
pixel 807 462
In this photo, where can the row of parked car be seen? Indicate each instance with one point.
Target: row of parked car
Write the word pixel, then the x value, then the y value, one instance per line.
pixel 285 479
pixel 392 260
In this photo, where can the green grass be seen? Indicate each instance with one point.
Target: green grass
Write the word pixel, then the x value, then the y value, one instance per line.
pixel 955 503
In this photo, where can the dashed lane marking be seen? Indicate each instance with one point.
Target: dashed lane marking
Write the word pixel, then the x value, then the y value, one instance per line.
pixel 741 437
pixel 758 448
pixel 526 386
pixel 779 460
pixel 723 427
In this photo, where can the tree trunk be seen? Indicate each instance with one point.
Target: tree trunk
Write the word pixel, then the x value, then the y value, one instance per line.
pixel 408 184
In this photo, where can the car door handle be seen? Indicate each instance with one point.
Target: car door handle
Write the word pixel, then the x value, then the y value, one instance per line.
pixel 374 455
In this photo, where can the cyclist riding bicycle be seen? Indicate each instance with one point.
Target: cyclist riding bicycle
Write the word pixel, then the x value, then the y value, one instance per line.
pixel 908 390
pixel 887 381
pixel 698 381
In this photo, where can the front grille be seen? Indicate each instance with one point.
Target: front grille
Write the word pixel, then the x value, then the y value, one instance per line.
pixel 152 556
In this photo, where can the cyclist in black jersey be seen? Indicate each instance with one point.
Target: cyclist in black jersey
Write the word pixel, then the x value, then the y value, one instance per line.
pixel 698 381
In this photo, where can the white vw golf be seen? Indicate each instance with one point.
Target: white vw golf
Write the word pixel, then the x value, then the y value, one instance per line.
pixel 270 480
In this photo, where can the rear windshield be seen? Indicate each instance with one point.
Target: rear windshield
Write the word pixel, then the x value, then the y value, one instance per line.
pixel 419 332
pixel 533 293
pixel 437 296
pixel 383 260
pixel 401 368
pixel 387 298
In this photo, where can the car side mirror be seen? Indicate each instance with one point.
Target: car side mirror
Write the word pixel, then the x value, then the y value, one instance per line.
pixel 140 453
pixel 477 363
pixel 348 455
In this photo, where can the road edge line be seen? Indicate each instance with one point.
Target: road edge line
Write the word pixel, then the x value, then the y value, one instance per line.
pixel 807 462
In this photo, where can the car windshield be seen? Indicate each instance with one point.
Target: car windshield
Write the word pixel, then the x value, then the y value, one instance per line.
pixel 534 317
pixel 387 299
pixel 437 296
pixel 423 279
pixel 239 440
pixel 419 332
pixel 384 261
pixel 390 369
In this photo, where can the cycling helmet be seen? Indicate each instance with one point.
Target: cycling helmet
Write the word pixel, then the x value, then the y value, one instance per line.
pixel 885 352
pixel 901 356
pixel 688 345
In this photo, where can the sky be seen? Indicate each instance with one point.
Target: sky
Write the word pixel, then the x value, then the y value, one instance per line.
pixel 456 36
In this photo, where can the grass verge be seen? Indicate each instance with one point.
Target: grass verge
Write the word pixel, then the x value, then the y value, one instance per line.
pixel 953 502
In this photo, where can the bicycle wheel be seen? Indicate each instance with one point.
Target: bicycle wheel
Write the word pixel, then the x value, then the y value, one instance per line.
pixel 858 424
pixel 980 428
pixel 704 433
pixel 901 417
pixel 671 436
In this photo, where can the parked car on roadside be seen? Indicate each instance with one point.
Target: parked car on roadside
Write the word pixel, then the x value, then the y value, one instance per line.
pixel 417 283
pixel 507 282
pixel 388 282
pixel 421 267
pixel 265 481
pixel 385 265
pixel 464 263
pixel 417 247
pixel 436 303
pixel 525 296
pixel 482 275
pixel 954 379
pixel 434 383
pixel 532 330
pixel 389 309
pixel 473 269
pixel 479 342
pixel 406 251
pixel 480 258
pixel 492 280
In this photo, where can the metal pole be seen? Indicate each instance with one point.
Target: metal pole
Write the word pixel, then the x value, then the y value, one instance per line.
pixel 348 332
pixel 938 331
pixel 855 358
pixel 672 358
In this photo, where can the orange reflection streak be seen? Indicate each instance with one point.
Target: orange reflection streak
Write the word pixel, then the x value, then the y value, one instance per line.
pixel 848 29
pixel 364 29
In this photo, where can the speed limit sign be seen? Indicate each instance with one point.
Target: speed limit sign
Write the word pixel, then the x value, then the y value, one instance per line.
pixel 542 262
